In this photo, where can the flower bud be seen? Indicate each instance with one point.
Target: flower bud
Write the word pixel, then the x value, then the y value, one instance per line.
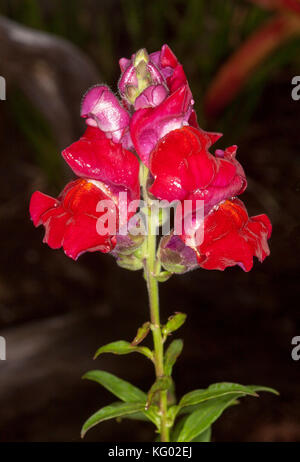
pixel 138 74
pixel 102 109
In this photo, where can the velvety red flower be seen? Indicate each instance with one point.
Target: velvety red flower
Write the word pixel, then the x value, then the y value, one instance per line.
pixel 149 125
pixel 184 169
pixel 231 237
pixel 71 220
pixel 96 157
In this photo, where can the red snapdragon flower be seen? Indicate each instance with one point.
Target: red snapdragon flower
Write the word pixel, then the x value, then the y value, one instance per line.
pixel 97 157
pixel 71 220
pixel 184 169
pixel 231 237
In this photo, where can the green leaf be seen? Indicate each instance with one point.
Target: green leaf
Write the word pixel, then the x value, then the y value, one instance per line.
pixel 214 391
pixel 120 388
pixel 151 414
pixel 205 415
pixel 177 429
pixel 161 384
pixel 127 392
pixel 210 404
pixel 256 388
pixel 111 412
pixel 141 334
pixel 174 323
pixel 172 353
pixel 203 437
pixel 123 348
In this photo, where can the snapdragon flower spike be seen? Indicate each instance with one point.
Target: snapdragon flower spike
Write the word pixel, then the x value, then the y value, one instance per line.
pixel 149 125
pixel 94 156
pixel 232 238
pixel 71 220
pixel 184 169
pixel 102 109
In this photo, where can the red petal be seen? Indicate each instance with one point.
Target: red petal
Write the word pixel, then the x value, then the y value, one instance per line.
pixel 167 57
pixel 94 156
pixel 39 204
pixel 81 236
pixel 232 238
pixel 71 221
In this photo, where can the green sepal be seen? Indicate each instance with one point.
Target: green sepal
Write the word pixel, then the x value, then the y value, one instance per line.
pixel 163 276
pixel 129 262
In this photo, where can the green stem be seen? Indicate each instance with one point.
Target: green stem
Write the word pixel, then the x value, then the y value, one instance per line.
pixel 153 293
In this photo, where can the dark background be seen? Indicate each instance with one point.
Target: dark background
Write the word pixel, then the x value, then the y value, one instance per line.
pixel 54 313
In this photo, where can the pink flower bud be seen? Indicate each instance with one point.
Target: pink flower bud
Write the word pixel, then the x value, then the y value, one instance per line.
pixel 102 109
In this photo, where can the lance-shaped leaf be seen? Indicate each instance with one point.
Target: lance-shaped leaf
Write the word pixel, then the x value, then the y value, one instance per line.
pixel 202 418
pixel 203 437
pixel 256 388
pixel 126 392
pixel 217 398
pixel 190 402
pixel 172 353
pixel 119 387
pixel 123 348
pixel 174 323
pixel 111 412
pixel 214 391
pixel 141 334
pixel 161 384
